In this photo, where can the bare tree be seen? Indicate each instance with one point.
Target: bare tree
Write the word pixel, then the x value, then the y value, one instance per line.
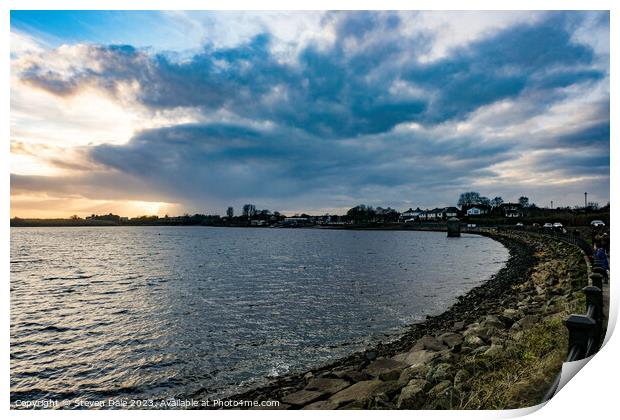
pixel 469 199
pixel 249 210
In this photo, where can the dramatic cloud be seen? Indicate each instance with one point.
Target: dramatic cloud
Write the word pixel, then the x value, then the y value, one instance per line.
pixel 372 108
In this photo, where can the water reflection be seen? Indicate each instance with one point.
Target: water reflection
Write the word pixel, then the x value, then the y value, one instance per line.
pixel 157 312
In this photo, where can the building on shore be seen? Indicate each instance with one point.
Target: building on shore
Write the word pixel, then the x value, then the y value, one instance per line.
pixel 512 210
pixel 475 211
pixel 296 221
pixel 436 214
pixel 411 214
pixel 451 212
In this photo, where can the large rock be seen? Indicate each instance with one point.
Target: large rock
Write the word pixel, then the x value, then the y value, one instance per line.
pixel 440 372
pixel 491 321
pixel 498 339
pixel 413 372
pixel 326 385
pixel 473 340
pixel 449 356
pixel 494 351
pixel 440 396
pixel 511 314
pixel 321 405
pixel 428 342
pixel 413 395
pixel 380 402
pixel 360 391
pixel 353 375
pixel 327 374
pixel 479 350
pixel 386 369
pixel 527 321
pixel 451 339
pixel 458 325
pixel 387 390
pixel 417 357
pixel 355 405
pixel 482 331
pixel 465 350
pixel 461 380
pixel 302 397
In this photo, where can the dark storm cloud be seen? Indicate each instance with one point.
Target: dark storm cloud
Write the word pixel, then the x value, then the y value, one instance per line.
pixel 229 161
pixel 341 91
pixel 576 164
pixel 589 132
pixel 211 165
pixel 333 111
pixel 589 135
pixel 540 57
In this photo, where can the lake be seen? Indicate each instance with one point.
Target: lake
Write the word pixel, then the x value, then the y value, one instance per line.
pixel 157 312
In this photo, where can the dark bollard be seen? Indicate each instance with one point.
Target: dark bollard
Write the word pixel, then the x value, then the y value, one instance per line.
pixel 594 303
pixel 594 299
pixel 596 280
pixel 601 271
pixel 454 227
pixel 580 332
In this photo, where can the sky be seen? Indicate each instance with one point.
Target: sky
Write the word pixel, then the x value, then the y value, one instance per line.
pixel 172 112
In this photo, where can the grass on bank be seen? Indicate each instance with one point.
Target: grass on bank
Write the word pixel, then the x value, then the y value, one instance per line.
pixel 523 373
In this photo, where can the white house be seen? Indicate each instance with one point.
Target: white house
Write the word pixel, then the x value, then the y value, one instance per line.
pixel 407 214
pixel 475 211
pixel 451 212
pixel 436 214
pixel 411 214
pixel 512 210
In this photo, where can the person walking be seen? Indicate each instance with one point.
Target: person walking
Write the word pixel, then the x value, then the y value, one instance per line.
pixel 600 255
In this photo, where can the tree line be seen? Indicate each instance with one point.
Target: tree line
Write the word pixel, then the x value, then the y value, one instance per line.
pixel 472 198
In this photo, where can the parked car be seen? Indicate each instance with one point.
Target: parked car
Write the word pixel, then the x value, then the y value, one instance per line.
pixel 597 223
pixel 548 226
pixel 557 225
pixel 410 221
pixel 519 224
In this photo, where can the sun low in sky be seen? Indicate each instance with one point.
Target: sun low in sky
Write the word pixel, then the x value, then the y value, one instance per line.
pixel 172 112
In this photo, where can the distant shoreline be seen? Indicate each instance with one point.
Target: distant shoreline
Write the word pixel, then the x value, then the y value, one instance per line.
pixel 313 222
pixel 395 226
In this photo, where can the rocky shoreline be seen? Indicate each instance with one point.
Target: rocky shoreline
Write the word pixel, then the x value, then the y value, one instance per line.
pixel 434 364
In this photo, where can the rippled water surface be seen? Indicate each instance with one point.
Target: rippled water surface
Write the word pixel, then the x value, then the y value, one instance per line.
pixel 151 312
